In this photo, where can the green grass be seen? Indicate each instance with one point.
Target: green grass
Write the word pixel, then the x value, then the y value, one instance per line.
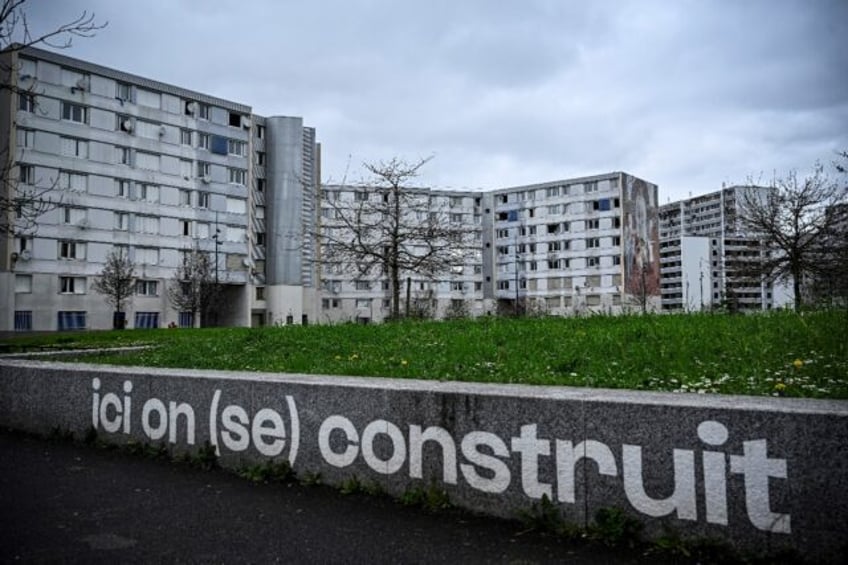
pixel 780 353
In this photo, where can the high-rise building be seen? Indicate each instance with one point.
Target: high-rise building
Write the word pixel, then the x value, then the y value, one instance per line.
pixel 154 170
pixel 708 259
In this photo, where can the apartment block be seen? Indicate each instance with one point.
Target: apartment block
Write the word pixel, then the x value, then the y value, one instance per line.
pixel 708 260
pixel 571 247
pixel 154 170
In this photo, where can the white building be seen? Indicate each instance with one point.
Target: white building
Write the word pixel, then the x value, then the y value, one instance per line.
pixel 156 170
pixel 707 258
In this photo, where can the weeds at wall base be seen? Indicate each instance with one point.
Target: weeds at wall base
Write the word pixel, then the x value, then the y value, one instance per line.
pixel 611 527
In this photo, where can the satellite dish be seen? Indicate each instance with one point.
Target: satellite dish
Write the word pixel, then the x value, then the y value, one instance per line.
pixel 25 255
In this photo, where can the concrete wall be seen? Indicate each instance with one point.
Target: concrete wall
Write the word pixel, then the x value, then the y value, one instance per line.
pixel 762 473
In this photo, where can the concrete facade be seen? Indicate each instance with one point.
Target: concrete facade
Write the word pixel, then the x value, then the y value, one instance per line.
pixel 765 474
pixel 155 170
pixel 732 259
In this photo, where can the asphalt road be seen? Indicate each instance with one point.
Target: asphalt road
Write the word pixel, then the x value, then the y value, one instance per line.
pixel 68 503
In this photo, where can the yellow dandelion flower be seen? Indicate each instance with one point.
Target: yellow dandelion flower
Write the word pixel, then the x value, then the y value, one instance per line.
pixel 779 387
pixel 404 362
pixel 797 363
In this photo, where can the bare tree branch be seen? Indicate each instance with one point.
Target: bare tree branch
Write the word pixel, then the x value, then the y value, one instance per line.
pixel 117 279
pixel 23 201
pixel 392 230
pixel 799 220
pixel 194 288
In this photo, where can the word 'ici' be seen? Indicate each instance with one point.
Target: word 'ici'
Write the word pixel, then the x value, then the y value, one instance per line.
pixel 488 452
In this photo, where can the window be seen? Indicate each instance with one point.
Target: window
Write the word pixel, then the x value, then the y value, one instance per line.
pixel 328 303
pixel 552 191
pixel 593 224
pixel 203 141
pixel 72 285
pixel 260 185
pixel 503 233
pixel 185 137
pixel 553 210
pixel 148 193
pixel 456 218
pixel 71 250
pixel 590 186
pixel 186 227
pixel 74 113
pixel 593 262
pixel 147 161
pixel 146 320
pixel 122 188
pixel 203 200
pixel 123 156
pixel 147 224
pixel 238 176
pixel 554 246
pixel 184 197
pixel 26 102
pixel 72 147
pixel 457 286
pixel 503 285
pixel 616 260
pixel 71 320
pixel 593 242
pixel 260 238
pixel 260 293
pixel 148 98
pixel 236 147
pixel 124 123
pixel 123 91
pixel 616 222
pixel 360 196
pixel 147 255
pixel 235 233
pixel 260 132
pixel 71 215
pixel 186 320
pixel 503 250
pixel 204 169
pixel 27 174
pixel 122 221
pixel 23 284
pixel 363 303
pixel 235 120
pixel 616 240
pixel 23 320
pixel 553 264
pixel 146 288
pixel 203 111
pixel 613 183
pixel 362 285
pixel 26 138
pixel 73 181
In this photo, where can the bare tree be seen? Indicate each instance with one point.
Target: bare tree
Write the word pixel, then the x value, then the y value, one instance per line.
pixel 392 230
pixel 194 288
pixel 116 282
pixel 23 200
pixel 798 221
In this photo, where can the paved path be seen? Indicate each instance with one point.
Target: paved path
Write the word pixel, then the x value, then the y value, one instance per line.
pixel 67 503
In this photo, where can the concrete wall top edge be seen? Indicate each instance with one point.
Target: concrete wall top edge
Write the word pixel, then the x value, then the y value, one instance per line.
pixel 589 395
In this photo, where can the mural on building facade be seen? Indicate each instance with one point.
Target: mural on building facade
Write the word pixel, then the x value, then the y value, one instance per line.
pixel 641 238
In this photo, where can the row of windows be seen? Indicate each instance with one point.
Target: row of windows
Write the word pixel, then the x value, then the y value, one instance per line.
pixel 560 245
pixel 127 93
pixel 555 191
pixel 600 205
pixel 79 285
pixel 67 320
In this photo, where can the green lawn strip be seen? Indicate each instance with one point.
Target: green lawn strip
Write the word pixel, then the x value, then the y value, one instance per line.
pixel 778 353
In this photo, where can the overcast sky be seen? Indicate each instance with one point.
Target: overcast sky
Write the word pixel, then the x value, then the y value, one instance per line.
pixel 685 94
